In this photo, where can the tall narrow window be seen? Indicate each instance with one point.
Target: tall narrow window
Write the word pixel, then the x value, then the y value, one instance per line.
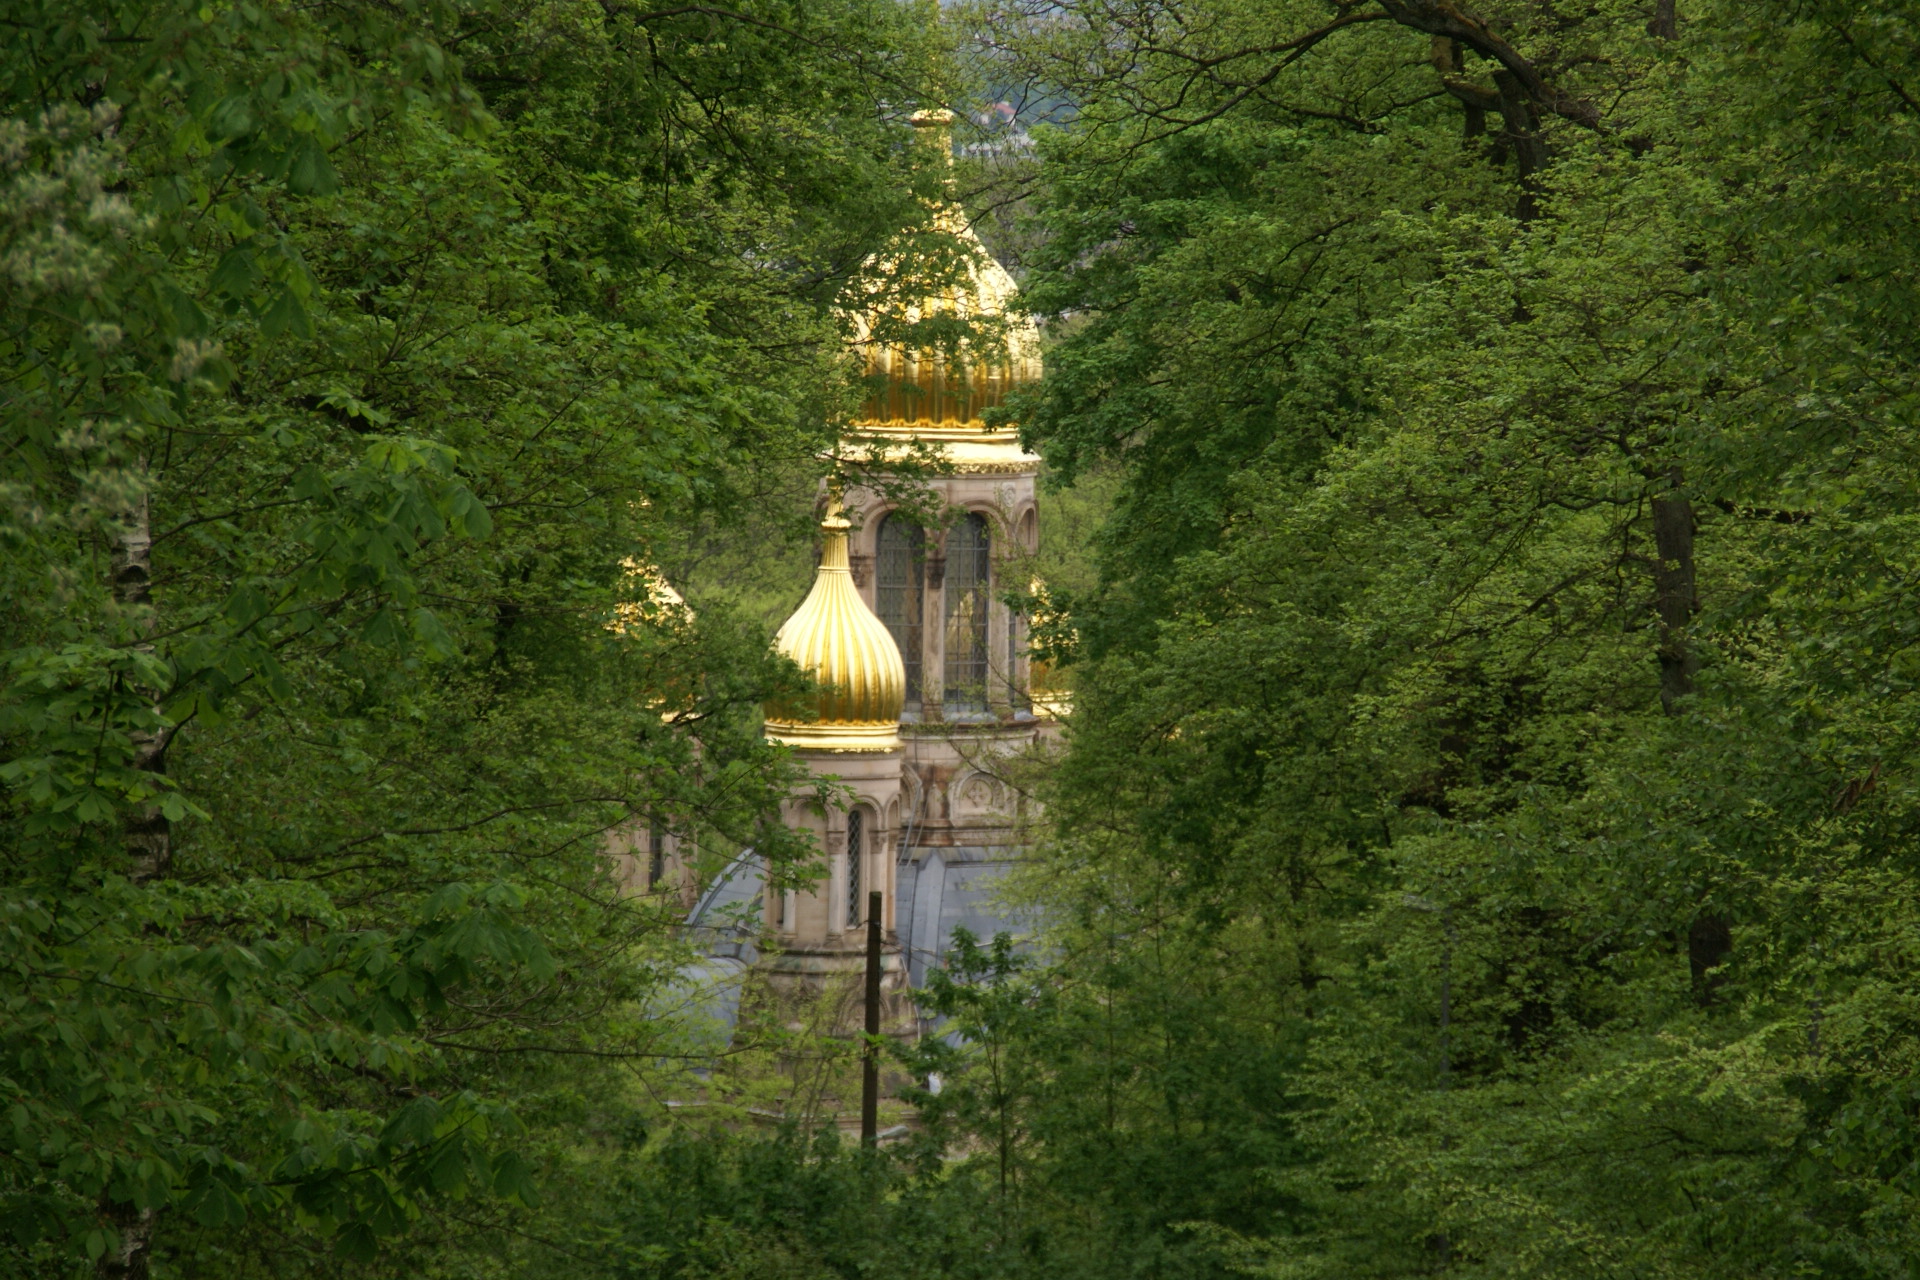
pixel 898 596
pixel 856 846
pixel 968 571
pixel 656 854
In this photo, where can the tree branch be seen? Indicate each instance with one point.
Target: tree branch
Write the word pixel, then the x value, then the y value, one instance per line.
pixel 1439 18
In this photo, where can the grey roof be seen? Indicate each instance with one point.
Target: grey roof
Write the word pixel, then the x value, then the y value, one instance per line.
pixel 940 890
pixel 704 998
pixel 943 889
pixel 701 1006
pixel 726 918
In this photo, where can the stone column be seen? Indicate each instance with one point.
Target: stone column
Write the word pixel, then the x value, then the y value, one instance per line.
pixel 933 670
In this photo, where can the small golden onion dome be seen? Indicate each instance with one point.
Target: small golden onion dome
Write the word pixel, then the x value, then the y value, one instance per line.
pixel 651 604
pixel 836 638
pixel 650 598
pixel 928 395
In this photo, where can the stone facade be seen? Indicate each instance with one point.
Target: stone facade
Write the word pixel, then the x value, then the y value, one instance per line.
pixel 939 820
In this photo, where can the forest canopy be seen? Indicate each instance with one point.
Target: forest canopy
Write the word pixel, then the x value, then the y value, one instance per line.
pixel 1484 842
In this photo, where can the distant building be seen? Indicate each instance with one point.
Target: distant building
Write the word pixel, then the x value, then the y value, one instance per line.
pixel 926 672
pixel 927 687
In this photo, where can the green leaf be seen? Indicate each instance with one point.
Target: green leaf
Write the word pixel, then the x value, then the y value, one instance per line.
pixel 286 313
pixel 312 173
pixel 236 275
pixel 513 1179
pixel 432 634
pixel 356 1242
pixel 188 319
pixel 475 520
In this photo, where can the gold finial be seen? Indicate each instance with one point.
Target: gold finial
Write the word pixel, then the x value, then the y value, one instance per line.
pixel 835 637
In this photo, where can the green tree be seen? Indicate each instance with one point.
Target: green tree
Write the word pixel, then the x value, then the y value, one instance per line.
pixel 1493 703
pixel 351 352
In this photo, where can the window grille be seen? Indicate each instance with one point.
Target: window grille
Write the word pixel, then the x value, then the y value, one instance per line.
pixel 855 843
pixel 969 571
pixel 899 593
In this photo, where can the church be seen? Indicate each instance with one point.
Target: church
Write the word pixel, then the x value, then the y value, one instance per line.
pixel 926 686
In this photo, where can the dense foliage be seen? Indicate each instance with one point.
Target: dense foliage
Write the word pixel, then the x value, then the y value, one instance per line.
pixel 355 356
pixel 1484 843
pixel 1489 818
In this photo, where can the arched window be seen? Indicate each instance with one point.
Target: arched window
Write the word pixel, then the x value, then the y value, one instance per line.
pixel 968 571
pixel 898 593
pixel 856 852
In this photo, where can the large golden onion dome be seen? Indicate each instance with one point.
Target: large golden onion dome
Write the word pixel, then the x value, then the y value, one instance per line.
pixel 937 397
pixel 835 637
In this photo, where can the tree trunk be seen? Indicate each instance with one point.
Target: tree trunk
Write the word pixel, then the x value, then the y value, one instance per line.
pixel 145 833
pixel 1673 586
pixel 1665 23
pixel 147 837
pixel 1520 128
pixel 1676 600
pixel 1709 943
pixel 129 1261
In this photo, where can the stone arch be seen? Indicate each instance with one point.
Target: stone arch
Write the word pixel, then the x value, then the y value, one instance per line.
pixel 979 792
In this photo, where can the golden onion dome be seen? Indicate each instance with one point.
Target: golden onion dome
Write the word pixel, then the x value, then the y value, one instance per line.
pixel 649 598
pixel 836 638
pixel 932 395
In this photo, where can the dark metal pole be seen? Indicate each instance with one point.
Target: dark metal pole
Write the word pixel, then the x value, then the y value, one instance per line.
pixel 870 1055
